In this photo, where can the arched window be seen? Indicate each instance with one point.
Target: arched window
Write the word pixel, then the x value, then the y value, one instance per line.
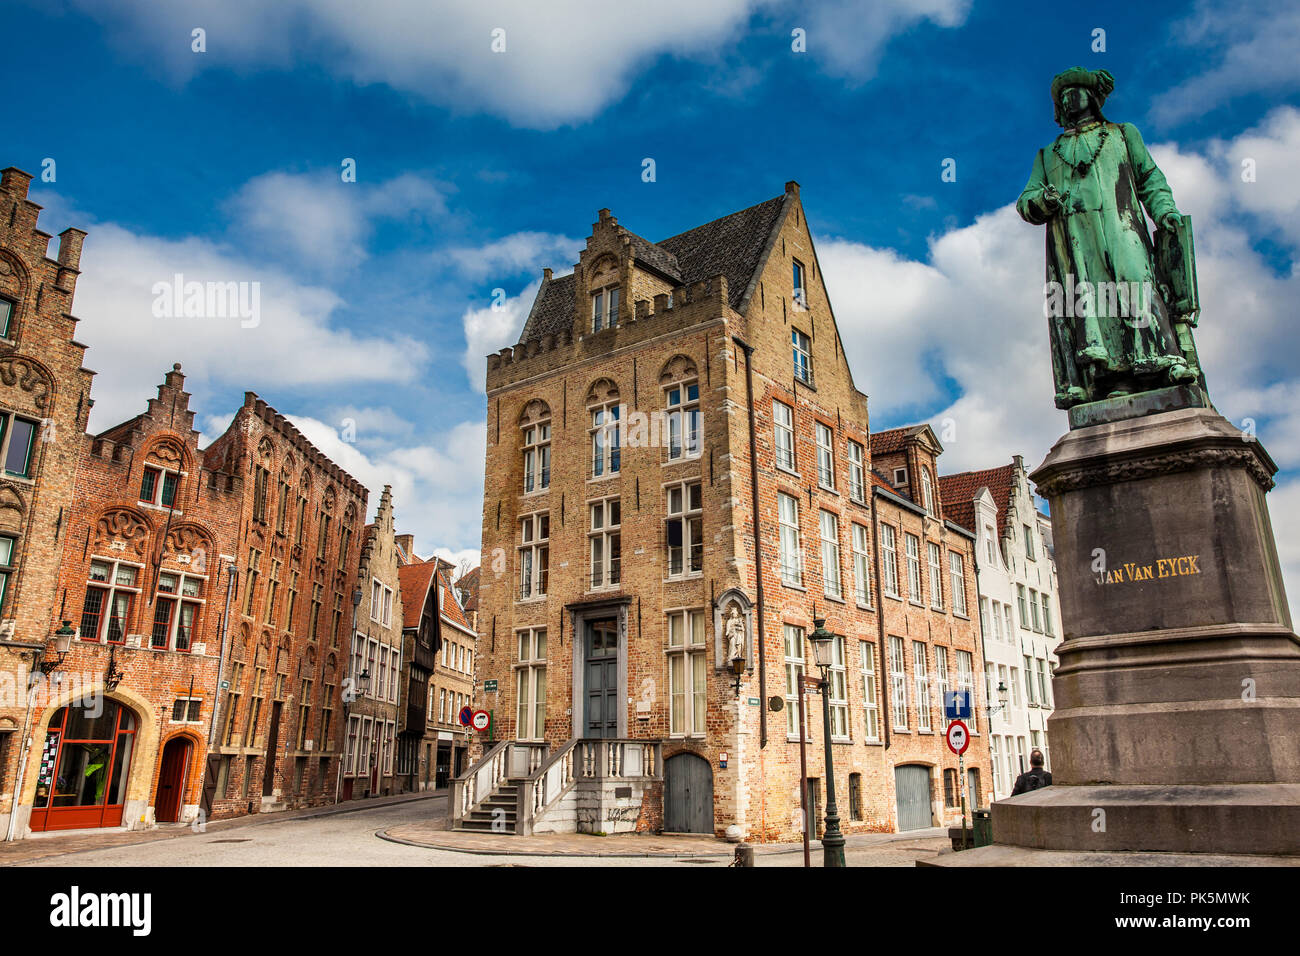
pixel 535 423
pixel 927 490
pixel 85 766
pixel 681 384
pixel 606 428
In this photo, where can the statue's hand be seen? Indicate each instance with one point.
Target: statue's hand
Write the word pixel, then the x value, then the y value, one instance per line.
pixel 1051 199
pixel 1170 221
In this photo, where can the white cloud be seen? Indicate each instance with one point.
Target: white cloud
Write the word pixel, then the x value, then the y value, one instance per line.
pixel 1256 52
pixel 321 221
pixel 563 60
pixel 493 327
pixel 293 342
pixel 437 487
pixel 971 315
pixel 851 36
pixel 514 254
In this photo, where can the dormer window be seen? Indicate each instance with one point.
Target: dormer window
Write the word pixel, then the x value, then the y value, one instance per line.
pixel 900 476
pixel 158 486
pixel 604 309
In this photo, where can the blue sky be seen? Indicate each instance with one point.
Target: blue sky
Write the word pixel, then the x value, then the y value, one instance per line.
pixel 475 169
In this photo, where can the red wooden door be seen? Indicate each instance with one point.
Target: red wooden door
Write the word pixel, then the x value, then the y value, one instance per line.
pixel 171 780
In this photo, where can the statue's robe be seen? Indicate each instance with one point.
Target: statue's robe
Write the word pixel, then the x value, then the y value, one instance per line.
pixel 1099 238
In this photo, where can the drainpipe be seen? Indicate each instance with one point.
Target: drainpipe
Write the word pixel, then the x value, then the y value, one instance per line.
pixel 758 546
pixel 24 750
pixel 232 573
pixel 885 688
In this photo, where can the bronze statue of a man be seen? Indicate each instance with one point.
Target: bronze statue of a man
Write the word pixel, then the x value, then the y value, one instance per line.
pixel 1120 307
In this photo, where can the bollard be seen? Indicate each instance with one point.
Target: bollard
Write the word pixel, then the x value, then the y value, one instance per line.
pixel 744 855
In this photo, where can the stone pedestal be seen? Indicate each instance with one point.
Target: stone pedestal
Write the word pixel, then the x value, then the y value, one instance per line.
pixel 1177 720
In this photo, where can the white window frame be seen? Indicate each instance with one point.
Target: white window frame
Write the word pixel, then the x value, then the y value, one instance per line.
pixel 957 572
pixel 606 439
pixel 686 653
pixel 682 411
pixel 111 586
pixel 180 599
pixel 604 308
pixel 921 675
pixel 913 547
pixel 602 536
pixel 889 559
pixel 825 456
pixel 530 677
pixel 857 473
pixel 534 551
pixel 789 550
pixel 934 555
pixel 829 528
pixel 537 457
pixel 966 682
pixel 838 691
pixel 861 564
pixel 927 491
pixel 870 704
pixel 687 518
pixel 783 436
pixel 898 683
pixel 793 641
pixel 801 349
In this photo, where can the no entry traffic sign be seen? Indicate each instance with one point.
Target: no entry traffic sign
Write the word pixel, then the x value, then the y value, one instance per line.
pixel 465 715
pixel 958 737
pixel 480 720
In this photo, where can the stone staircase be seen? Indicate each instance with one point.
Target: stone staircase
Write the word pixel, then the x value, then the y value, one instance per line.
pixel 497 813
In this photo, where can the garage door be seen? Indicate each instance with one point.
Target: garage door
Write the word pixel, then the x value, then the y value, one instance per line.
pixel 912 784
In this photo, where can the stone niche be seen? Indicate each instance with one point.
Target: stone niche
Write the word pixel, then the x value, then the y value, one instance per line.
pixel 733 600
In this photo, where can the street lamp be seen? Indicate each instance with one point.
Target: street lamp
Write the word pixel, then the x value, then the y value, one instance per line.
pixel 737 671
pixel 823 642
pixel 1003 699
pixel 62 644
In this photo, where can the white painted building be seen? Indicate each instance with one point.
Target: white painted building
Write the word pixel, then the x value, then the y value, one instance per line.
pixel 1019 612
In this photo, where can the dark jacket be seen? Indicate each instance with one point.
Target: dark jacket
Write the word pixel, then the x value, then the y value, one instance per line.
pixel 1032 780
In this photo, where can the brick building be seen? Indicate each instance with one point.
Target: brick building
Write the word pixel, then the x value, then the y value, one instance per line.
pixel 44 405
pixel 1019 612
pixel 280 734
pixel 416 734
pixel 376 663
pixel 680 475
pixel 451 687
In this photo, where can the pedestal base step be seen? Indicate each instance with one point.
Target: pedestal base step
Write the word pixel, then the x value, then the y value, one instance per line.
pixel 1249 818
pixel 999 855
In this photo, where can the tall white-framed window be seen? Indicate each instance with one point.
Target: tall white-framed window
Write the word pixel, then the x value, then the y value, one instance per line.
pixel 110 596
pixel 682 405
pixel 941 673
pixel 606 439
pixel 838 692
pixel 791 557
pixel 889 560
pixel 783 434
pixel 794 665
pixel 825 457
pixel 1044 682
pixel 857 473
pixel 684 529
pixel 537 457
pixel 935 556
pixel 800 290
pixel 990 548
pixel 830 537
pixel 861 566
pixel 999 773
pixel 913 544
pixel 801 346
pixel 1029 680
pixel 1047 614
pixel 534 554
pixel 927 490
pixel 1006 623
pixel 351 745
pixel 687 674
pixel 922 677
pixel 1033 611
pixel 1015 687
pixel 957 571
pixel 870 705
pixel 604 309
pixel 176 610
pixel 897 683
pixel 1029 543
pixel 530 683
pixel 605 542
pixel 1022 605
pixel 966 682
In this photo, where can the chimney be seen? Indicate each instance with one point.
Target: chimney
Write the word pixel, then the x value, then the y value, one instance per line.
pixel 792 189
pixel 407 543
pixel 546 275
pixel 70 241
pixel 14 180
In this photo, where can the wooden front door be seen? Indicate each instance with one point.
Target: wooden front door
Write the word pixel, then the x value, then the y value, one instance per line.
pixel 272 748
pixel 171 780
pixel 600 679
pixel 688 794
pixel 912 785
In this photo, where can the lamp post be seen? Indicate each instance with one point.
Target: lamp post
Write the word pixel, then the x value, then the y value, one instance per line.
pixel 737 672
pixel 823 642
pixel 62 644
pixel 1003 699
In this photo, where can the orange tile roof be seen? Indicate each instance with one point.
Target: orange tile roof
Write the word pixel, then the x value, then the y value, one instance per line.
pixel 957 492
pixel 447 602
pixel 891 440
pixel 415 580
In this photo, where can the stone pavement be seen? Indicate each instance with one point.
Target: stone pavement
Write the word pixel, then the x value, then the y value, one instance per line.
pixel 57 843
pixel 435 835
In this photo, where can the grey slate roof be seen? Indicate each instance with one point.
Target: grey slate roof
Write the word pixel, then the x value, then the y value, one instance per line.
pixel 732 246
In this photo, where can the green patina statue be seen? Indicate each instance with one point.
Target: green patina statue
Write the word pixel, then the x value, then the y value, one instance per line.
pixel 1120 305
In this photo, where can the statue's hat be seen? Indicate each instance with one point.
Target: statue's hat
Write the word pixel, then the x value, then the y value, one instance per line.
pixel 1100 82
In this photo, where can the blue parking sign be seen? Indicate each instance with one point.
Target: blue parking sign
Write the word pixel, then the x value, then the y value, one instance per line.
pixel 957 705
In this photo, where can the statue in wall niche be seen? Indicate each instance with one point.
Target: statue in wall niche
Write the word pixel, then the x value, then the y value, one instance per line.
pixel 734 627
pixel 1120 304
